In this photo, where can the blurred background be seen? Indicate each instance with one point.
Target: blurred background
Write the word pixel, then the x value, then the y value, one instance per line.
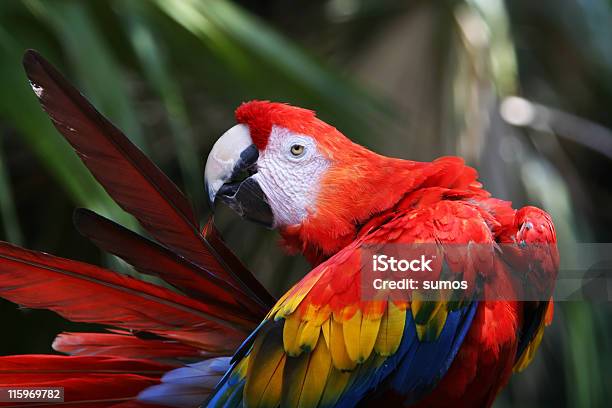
pixel 521 89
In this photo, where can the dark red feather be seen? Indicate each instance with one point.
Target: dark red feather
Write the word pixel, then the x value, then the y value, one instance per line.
pixel 86 293
pixel 212 236
pixel 87 381
pixel 151 258
pixel 133 181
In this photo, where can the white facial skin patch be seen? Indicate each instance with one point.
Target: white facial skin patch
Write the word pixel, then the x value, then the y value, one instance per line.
pixel 290 176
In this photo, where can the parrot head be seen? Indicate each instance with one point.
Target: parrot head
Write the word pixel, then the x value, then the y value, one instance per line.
pixel 284 168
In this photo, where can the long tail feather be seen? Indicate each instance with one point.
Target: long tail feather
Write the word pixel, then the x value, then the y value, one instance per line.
pixel 86 293
pixel 133 181
pixel 151 258
pixel 87 381
pixel 126 346
pixel 212 236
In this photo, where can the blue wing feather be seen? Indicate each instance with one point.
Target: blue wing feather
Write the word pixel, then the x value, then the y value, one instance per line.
pixel 417 366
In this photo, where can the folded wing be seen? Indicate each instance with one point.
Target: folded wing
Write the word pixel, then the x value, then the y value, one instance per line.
pixel 325 345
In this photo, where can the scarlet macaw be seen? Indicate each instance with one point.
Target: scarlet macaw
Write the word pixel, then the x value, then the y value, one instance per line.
pixel 321 344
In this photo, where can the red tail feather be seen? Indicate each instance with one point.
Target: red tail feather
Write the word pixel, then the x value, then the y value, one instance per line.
pixel 87 381
pixel 86 293
pixel 126 346
pixel 213 237
pixel 127 174
pixel 151 258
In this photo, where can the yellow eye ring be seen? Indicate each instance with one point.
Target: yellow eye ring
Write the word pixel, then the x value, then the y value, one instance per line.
pixel 297 149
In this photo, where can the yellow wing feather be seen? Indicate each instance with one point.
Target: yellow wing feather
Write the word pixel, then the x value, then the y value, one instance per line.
pixel 334 339
pixel 391 330
pixel 305 378
pixel 360 333
pixel 264 375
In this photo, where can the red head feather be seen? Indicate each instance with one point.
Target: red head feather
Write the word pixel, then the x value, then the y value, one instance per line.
pixel 260 116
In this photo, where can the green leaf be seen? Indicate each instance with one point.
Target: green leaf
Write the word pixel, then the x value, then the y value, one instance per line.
pixel 149 49
pixel 99 75
pixel 7 205
pixel 19 107
pixel 264 59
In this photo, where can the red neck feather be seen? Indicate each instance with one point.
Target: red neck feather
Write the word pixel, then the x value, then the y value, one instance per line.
pixel 362 189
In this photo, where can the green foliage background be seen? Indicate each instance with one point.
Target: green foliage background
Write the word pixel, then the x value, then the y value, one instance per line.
pixel 414 79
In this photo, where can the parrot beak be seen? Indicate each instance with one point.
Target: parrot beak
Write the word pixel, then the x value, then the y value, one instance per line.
pixel 229 171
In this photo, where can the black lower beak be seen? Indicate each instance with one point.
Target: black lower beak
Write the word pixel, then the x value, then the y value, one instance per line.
pixel 248 200
pixel 242 192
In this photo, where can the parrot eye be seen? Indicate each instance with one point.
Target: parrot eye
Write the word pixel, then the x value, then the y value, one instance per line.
pixel 297 150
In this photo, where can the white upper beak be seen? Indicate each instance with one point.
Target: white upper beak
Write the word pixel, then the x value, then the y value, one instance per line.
pixel 223 157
